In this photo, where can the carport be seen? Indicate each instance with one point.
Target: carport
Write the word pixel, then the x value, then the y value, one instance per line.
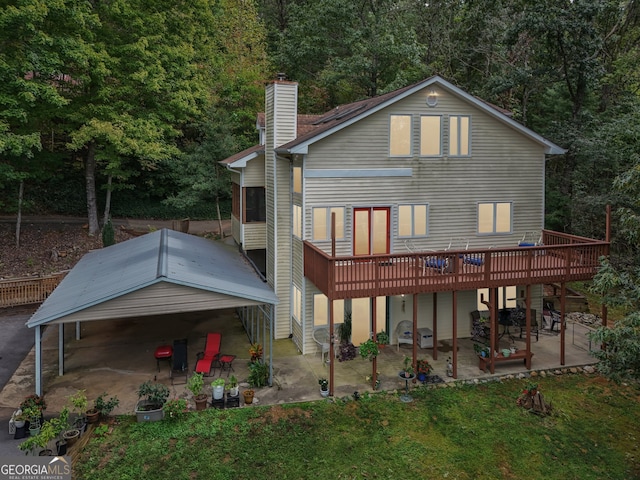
pixel 159 273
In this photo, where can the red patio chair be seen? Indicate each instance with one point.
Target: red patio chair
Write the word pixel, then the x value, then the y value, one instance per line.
pixel 211 353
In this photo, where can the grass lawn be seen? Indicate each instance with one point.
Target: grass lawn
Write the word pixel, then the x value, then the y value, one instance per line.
pixel 466 432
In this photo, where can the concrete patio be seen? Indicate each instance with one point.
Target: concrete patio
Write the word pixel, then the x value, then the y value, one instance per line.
pixel 116 357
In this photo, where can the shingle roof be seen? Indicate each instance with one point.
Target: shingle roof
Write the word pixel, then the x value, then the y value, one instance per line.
pixel 161 256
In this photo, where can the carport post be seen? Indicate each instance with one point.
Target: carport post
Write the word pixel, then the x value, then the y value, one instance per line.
pixel 38 361
pixel 61 349
pixel 271 309
pixel 77 330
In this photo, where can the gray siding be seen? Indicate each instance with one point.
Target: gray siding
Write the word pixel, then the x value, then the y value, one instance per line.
pixel 255 236
pixel 504 166
pixel 281 115
pixel 157 299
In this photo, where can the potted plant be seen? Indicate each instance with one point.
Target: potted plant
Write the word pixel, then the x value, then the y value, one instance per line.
pixel 324 386
pixel 79 405
pixel 258 374
pixel 248 396
pixel 105 407
pixel 195 384
pixel 346 350
pixel 33 407
pixel 255 351
pixel 369 349
pixel 407 368
pixel 423 367
pixel 33 415
pixel 151 398
pixel 382 338
pixel 218 388
pixel 232 386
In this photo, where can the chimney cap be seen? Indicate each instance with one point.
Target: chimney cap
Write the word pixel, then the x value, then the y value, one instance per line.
pixel 281 76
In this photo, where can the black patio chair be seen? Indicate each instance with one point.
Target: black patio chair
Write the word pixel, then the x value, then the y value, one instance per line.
pixel 180 363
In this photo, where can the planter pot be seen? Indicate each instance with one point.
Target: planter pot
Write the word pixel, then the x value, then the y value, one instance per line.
pixel 422 377
pixel 81 424
pixel 234 391
pixel 147 411
pixel 33 431
pixel 218 392
pixel 19 423
pixel 62 446
pixel 324 393
pixel 46 453
pixel 93 416
pixel 71 436
pixel 201 402
pixel 248 396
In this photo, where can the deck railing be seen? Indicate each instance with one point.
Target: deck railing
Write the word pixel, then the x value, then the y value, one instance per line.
pixel 28 290
pixel 562 258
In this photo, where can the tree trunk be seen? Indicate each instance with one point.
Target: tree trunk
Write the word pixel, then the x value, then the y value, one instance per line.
pixel 219 217
pixel 90 182
pixel 19 219
pixel 107 201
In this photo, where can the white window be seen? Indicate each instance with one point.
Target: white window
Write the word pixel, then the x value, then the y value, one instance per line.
pixel 506 298
pixel 459 135
pixel 297 221
pixel 430 135
pixel 413 220
pixel 494 217
pixel 322 222
pixel 297 303
pixel 321 310
pixel 400 135
pixel 297 180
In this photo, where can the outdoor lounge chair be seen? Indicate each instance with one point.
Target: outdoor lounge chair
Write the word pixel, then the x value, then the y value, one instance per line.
pixel 179 361
pixel 211 353
pixel 439 263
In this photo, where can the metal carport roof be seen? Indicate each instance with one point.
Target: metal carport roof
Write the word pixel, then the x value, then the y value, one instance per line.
pixel 160 272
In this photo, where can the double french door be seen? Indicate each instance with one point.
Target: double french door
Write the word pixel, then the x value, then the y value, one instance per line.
pixel 371 230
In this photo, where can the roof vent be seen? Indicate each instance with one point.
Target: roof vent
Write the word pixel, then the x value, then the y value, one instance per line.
pixel 281 76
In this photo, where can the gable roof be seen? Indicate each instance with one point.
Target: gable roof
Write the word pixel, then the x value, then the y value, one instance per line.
pixel 345 115
pixel 164 256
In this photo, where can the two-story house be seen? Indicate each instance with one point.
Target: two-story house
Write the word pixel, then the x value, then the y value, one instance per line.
pixel 407 206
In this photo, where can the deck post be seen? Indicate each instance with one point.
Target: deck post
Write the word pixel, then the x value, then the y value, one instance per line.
pixel 374 325
pixel 435 325
pixel 415 329
pixel 331 348
pixel 527 360
pixel 454 354
pixel 38 341
pixel 563 295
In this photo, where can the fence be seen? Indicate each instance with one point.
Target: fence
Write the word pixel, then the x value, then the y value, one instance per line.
pixel 28 290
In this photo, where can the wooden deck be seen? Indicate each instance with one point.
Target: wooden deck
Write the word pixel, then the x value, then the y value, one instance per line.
pixel 562 258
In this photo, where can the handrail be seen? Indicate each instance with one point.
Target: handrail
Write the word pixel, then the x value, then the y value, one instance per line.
pixel 563 258
pixel 28 290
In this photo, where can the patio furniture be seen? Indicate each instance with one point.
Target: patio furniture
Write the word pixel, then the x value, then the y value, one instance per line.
pixel 321 337
pixel 226 363
pixel 550 316
pixel 531 239
pixel 439 263
pixel 205 359
pixel 163 352
pixel 404 334
pixel 180 363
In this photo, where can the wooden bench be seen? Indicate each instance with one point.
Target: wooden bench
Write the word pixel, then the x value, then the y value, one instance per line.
pixel 210 354
pixel 519 355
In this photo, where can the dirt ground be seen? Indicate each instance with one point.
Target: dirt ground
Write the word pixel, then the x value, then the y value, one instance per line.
pixel 55 244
